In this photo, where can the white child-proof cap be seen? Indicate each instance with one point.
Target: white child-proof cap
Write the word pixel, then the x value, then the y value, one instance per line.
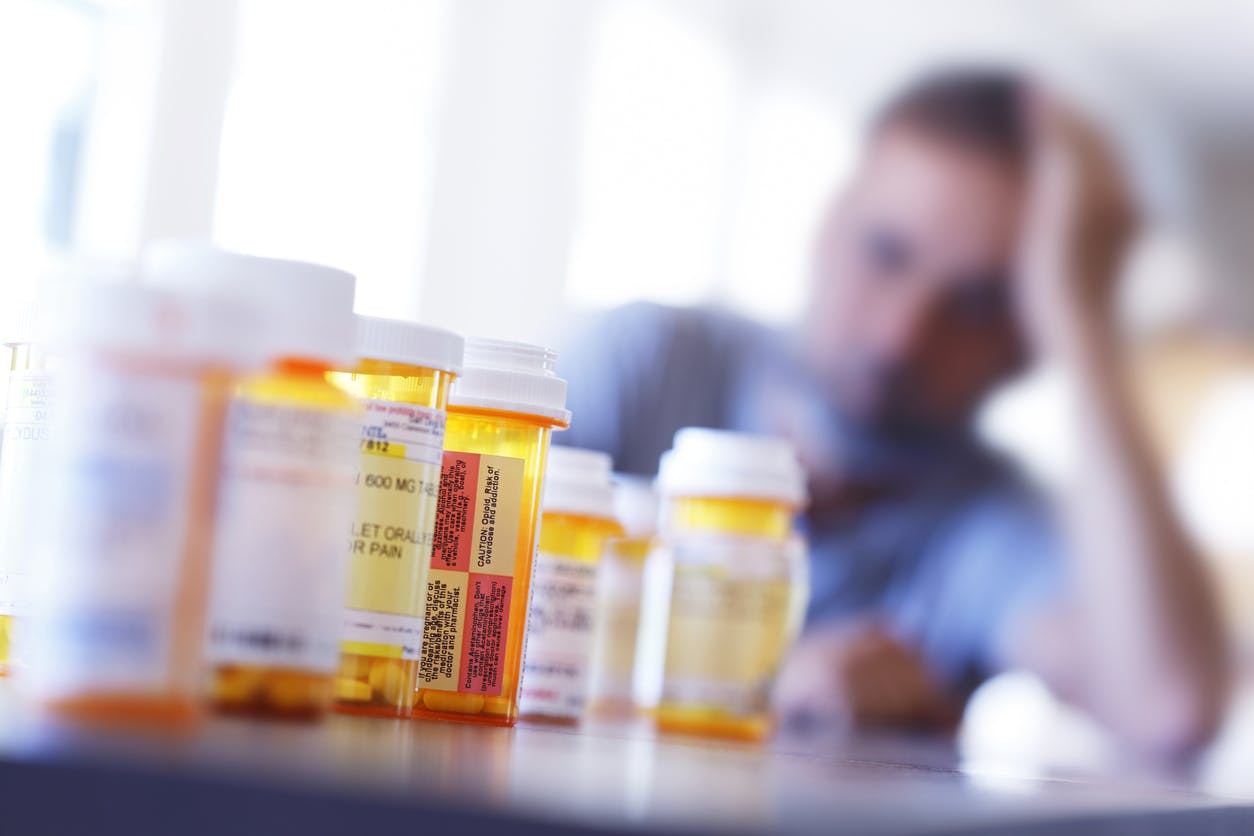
pixel 578 482
pixel 136 319
pixel 398 341
pixel 719 463
pixel 635 505
pixel 511 377
pixel 307 308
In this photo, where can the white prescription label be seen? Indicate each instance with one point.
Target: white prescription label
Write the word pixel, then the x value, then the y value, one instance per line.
pixel 618 624
pixel 560 631
pixel 25 434
pixel 403 430
pixel 114 534
pixel 736 605
pixel 285 508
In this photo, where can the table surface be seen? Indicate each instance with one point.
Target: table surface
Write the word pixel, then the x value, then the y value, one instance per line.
pixel 361 775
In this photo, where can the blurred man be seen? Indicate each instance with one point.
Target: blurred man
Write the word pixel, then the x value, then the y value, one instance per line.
pixel 984 222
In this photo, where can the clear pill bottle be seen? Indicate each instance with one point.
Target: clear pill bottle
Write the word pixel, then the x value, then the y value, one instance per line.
pixel 737 575
pixel 24 439
pixel 402 380
pixel 612 692
pixel 120 569
pixel 287 494
pixel 502 411
pixel 577 521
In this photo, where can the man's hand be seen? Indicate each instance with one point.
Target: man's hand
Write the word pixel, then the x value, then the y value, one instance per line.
pixel 1143 647
pixel 858 675
pixel 1080 224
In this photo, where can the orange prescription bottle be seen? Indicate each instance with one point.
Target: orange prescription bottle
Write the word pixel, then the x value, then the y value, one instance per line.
pixel 402 380
pixel 287 496
pixel 502 411
pixel 576 523
pixel 611 692
pixel 25 437
pixel 738 581
pixel 120 575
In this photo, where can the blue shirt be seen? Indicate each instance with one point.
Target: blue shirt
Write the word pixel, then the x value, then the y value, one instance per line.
pixel 954 549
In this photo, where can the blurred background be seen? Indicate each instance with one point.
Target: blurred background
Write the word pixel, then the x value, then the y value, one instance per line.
pixel 498 167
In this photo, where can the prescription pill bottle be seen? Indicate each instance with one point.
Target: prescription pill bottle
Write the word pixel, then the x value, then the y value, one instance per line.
pixel 287 494
pixel 612 690
pixel 119 574
pixel 402 380
pixel 576 522
pixel 737 578
pixel 24 439
pixel 502 411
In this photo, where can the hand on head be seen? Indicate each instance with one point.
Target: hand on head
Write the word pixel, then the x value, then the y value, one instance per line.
pixel 1079 224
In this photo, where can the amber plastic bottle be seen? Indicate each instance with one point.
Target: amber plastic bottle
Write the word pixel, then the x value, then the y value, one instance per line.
pixel 402 381
pixel 120 573
pixel 736 579
pixel 287 496
pixel 502 412
pixel 25 438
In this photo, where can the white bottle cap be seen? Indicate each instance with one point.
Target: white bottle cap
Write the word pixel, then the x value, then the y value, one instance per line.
pixel 511 377
pixel 635 505
pixel 719 463
pixel 308 308
pixel 397 341
pixel 136 319
pixel 578 482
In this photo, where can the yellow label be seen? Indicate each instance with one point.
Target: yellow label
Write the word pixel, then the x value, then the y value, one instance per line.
pixel 442 629
pixel 398 483
pixel 391 537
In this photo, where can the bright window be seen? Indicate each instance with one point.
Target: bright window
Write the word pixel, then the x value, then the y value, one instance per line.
pixel 327 139
pixel 658 116
pixel 794 150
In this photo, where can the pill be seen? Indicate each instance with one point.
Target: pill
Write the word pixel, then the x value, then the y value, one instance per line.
pixel 386 676
pixel 351 690
pixel 448 701
pixel 353 666
pixel 296 693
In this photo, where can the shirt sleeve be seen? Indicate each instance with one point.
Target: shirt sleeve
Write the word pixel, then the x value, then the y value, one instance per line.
pixel 607 359
pixel 997 563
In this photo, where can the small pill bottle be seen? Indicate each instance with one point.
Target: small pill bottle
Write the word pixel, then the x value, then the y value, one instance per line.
pixel 612 691
pixel 287 494
pixel 402 380
pixel 502 411
pixel 25 437
pixel 737 575
pixel 576 522
pixel 119 576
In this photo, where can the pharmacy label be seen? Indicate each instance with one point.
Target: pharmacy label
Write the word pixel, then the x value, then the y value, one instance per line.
pixel 285 505
pixel 735 608
pixel 470 586
pixel 111 570
pixel 619 599
pixel 26 427
pixel 560 630
pixel 398 483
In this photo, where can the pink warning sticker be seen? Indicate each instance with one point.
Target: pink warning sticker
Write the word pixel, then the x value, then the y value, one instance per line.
pixel 455 514
pixel 483 644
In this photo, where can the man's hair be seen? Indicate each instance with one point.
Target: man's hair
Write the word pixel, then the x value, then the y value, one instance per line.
pixel 974 107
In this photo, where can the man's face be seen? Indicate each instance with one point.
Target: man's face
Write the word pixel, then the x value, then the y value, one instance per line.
pixel 911 319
